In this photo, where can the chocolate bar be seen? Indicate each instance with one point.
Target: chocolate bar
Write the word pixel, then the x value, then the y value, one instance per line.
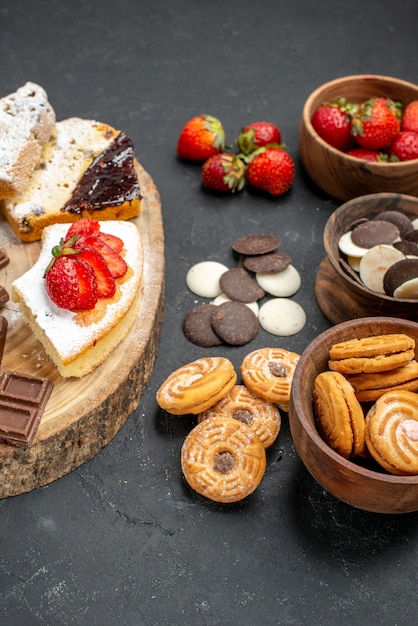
pixel 23 398
pixel 3 333
pixel 4 296
pixel 4 259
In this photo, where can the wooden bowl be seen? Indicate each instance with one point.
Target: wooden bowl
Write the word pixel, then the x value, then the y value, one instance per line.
pixel 361 487
pixel 343 176
pixel 339 222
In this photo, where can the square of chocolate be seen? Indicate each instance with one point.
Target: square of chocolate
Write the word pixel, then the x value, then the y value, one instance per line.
pixel 24 388
pixel 18 424
pixel 23 398
pixel 4 259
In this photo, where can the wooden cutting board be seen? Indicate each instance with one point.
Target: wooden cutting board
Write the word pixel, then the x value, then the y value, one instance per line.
pixel 82 415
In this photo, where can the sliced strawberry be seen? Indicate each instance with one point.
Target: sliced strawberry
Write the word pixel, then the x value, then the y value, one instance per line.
pixel 83 228
pixel 71 283
pixel 116 264
pixel 112 241
pixel 106 286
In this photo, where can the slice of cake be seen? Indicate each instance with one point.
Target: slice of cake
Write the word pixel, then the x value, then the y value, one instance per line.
pixel 79 341
pixel 86 169
pixel 26 123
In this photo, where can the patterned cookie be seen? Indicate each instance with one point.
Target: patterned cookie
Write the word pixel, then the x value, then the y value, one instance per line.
pixel 268 372
pixel 371 354
pixel 338 413
pixel 196 386
pixel 242 404
pixel 223 459
pixel 369 387
pixel 391 432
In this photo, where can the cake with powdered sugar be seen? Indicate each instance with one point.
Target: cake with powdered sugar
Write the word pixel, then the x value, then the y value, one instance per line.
pixel 27 121
pixel 79 341
pixel 86 169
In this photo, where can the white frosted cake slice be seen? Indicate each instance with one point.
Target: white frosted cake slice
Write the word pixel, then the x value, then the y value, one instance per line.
pixel 27 121
pixel 78 342
pixel 86 169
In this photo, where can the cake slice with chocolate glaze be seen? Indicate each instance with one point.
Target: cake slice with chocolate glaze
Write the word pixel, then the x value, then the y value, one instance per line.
pixel 86 169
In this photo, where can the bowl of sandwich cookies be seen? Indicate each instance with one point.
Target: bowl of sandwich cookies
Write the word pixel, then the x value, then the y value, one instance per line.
pixel 354 413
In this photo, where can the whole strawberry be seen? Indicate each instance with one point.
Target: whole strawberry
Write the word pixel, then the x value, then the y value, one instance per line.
pixel 405 146
pixel 272 170
pixel 410 117
pixel 200 138
pixel 71 283
pixel 376 123
pixel 223 172
pixel 256 135
pixel 332 122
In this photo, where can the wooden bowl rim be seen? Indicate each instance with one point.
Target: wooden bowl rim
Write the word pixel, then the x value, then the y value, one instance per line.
pixel 307 113
pixel 307 422
pixel 346 277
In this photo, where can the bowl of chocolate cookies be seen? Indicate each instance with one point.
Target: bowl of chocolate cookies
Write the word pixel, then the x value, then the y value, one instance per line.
pixel 341 147
pixel 371 267
pixel 354 413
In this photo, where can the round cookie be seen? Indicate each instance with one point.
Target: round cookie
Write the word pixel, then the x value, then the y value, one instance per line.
pixel 197 326
pixel 240 285
pixel 391 432
pixel 338 413
pixel 268 372
pixel 242 404
pixel 196 386
pixel 255 244
pixel 399 274
pixel 203 278
pixel 369 387
pixel 374 232
pixel 398 218
pixel 223 459
pixel 235 323
pixel 347 246
pixel 281 317
pixel 270 262
pixel 280 284
pixel 371 354
pixel 375 263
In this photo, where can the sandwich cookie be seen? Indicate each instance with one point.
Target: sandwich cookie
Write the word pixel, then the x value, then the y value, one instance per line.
pixel 391 432
pixel 338 413
pixel 196 386
pixel 371 354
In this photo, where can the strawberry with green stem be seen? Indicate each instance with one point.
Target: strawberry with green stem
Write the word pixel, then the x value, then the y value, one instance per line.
pixel 332 121
pixel 376 123
pixel 224 172
pixel 256 135
pixel 200 138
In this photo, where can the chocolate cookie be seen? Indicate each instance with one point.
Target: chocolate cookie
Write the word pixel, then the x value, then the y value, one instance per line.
pixel 255 244
pixel 235 323
pixel 197 326
pixel 400 220
pixel 373 232
pixel 270 262
pixel 399 274
pixel 239 285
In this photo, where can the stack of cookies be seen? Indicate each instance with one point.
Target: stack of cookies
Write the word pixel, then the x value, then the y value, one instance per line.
pixel 367 403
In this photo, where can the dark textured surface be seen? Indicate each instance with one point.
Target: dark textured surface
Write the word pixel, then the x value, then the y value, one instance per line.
pixel 122 540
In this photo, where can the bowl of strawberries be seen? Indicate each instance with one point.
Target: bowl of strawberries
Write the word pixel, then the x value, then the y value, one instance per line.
pixel 359 135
